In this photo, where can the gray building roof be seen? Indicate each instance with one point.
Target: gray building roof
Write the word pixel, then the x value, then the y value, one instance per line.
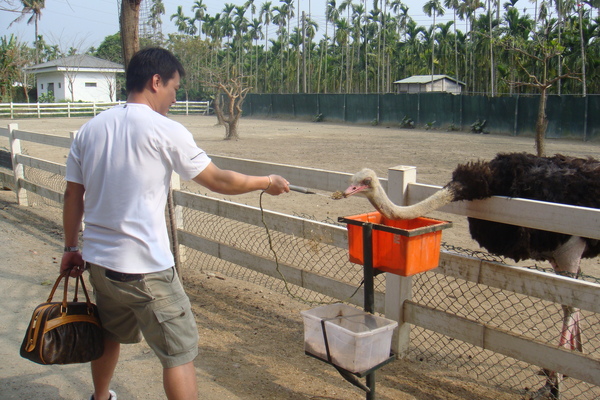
pixel 427 79
pixel 81 61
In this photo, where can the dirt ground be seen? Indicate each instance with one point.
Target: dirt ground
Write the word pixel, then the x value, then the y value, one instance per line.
pixel 251 339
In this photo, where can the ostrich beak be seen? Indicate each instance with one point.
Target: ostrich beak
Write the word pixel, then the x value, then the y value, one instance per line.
pixel 354 189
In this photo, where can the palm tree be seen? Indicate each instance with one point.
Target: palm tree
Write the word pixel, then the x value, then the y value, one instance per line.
pixel 582 43
pixel 287 9
pixel 467 10
pixel 454 5
pixel 433 8
pixel 181 21
pixel 227 30
pixel 346 5
pixel 331 15
pixel 212 28
pixel 358 13
pixel 443 38
pixel 413 45
pixel 240 25
pixel 517 27
pixel 199 10
pixel 265 16
pixel 156 10
pixel 492 65
pixel 342 38
pixel 310 31
pixel 33 7
pixel 255 33
pixel 279 19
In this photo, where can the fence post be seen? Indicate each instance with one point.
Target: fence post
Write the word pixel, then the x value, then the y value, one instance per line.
pixel 69 111
pixel 399 288
pixel 18 169
pixel 39 110
pixel 12 109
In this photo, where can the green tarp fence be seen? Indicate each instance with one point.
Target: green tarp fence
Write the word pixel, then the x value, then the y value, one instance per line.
pixel 568 116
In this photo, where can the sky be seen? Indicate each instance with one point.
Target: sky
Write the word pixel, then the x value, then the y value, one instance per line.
pixel 85 23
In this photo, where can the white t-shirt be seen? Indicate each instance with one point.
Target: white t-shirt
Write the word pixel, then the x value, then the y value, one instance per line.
pixel 124 157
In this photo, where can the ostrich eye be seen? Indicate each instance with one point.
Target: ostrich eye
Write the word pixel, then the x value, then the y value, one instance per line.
pixel 367 181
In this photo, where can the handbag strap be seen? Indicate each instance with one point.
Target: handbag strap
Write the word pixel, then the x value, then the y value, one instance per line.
pixel 79 279
pixel 55 286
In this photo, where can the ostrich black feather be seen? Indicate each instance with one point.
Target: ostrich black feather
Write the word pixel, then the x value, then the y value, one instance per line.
pixel 558 179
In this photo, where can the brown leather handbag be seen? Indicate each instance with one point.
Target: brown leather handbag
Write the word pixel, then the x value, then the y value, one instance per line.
pixel 64 332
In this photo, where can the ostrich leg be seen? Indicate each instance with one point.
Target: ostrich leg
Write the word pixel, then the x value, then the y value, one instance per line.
pixel 566 262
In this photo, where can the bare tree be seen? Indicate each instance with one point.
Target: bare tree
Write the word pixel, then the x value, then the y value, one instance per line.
pixel 229 112
pixel 111 84
pixel 71 66
pixel 538 59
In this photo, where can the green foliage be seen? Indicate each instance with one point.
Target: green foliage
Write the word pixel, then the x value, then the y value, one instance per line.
pixel 452 128
pixel 359 51
pixel 407 123
pixel 111 49
pixel 46 98
pixel 319 118
pixel 13 56
pixel 478 125
pixel 429 125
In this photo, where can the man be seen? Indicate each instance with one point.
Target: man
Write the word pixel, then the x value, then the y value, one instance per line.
pixel 122 161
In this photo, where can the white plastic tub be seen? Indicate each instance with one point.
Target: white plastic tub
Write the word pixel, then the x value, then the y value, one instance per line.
pixel 358 341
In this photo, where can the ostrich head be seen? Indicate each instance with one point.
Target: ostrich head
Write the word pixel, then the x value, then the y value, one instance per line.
pixel 366 183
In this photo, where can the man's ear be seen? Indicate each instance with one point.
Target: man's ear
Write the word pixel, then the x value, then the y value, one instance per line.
pixel 155 82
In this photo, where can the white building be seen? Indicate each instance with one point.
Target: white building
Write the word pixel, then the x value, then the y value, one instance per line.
pixel 77 78
pixel 427 83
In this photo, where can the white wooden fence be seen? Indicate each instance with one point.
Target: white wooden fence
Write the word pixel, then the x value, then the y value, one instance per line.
pixel 41 110
pixel 396 302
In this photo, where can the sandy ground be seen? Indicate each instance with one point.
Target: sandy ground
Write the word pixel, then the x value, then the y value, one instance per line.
pixel 250 338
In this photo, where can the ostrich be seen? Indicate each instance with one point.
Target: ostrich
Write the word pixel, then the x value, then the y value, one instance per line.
pixel 558 179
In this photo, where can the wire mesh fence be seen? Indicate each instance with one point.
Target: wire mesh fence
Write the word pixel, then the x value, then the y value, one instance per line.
pixel 531 317
pixel 312 254
pixel 47 179
pixel 520 314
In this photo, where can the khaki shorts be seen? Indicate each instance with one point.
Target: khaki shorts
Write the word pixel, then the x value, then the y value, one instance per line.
pixel 155 306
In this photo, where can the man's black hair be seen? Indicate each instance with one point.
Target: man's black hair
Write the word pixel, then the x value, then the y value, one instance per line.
pixel 148 62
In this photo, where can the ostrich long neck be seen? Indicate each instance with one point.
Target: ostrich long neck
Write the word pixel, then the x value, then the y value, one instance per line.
pixel 384 205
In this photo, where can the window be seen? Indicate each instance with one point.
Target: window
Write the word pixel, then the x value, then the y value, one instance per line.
pixel 90 84
pixel 42 86
pixel 59 85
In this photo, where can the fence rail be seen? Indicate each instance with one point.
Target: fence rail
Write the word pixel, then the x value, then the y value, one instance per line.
pixel 69 110
pixel 319 243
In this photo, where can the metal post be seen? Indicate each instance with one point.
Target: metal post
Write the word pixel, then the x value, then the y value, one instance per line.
pixel 368 267
pixel 369 291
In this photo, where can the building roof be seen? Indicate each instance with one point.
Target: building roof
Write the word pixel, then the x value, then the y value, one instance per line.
pixel 79 61
pixel 427 79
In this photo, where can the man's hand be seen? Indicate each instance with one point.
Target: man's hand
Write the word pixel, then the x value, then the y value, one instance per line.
pixel 277 185
pixel 72 261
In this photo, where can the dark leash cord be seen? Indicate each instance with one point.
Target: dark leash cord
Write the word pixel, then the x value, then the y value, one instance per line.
pixel 277 267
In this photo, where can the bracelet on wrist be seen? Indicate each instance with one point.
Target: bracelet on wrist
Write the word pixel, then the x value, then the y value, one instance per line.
pixel 71 249
pixel 270 181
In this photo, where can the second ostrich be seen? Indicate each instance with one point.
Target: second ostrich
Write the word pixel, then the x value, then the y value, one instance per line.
pixel 558 179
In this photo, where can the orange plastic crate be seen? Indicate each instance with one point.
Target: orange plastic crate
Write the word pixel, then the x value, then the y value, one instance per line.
pixel 403 247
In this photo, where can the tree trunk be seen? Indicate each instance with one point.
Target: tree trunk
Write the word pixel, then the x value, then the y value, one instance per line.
pixel 129 21
pixel 541 125
pixel 218 107
pixel 235 111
